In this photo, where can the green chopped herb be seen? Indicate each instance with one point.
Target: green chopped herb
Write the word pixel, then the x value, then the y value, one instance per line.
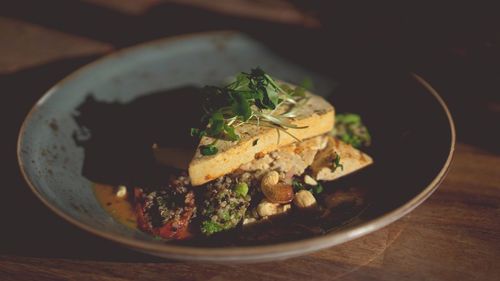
pixel 241 189
pixel 336 163
pixel 230 133
pixel 348 118
pixel 297 185
pixel 210 227
pixel 350 129
pixel 253 98
pixel 216 124
pixel 307 84
pixel 208 149
pixel 318 189
pixel 195 132
pixel 241 107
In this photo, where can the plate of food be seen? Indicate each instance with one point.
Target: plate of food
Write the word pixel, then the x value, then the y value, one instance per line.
pixel 211 147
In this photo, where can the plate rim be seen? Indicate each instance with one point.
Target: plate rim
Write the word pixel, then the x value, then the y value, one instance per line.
pixel 240 253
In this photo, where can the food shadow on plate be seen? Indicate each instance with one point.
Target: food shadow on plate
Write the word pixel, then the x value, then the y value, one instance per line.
pixel 118 138
pixel 410 132
pixel 33 230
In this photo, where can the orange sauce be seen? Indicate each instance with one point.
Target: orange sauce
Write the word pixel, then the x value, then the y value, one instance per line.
pixel 119 208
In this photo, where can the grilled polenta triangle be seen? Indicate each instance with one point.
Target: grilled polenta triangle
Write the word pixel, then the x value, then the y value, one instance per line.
pixel 317 115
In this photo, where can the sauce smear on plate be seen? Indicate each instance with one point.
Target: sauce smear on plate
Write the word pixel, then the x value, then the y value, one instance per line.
pixel 120 208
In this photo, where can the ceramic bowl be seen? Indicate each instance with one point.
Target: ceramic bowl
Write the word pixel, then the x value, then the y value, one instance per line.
pixel 412 130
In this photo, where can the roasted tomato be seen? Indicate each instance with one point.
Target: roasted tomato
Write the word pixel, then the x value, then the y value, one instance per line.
pixel 166 212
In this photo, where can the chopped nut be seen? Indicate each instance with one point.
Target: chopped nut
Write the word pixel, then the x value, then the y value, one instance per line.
pixel 270 179
pixel 285 208
pixel 267 209
pixel 304 199
pixel 247 221
pixel 121 192
pixel 310 181
pixel 273 190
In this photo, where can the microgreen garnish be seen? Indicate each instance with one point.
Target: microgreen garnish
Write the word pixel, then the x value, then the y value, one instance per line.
pixel 253 98
pixel 336 163
pixel 210 149
pixel 195 132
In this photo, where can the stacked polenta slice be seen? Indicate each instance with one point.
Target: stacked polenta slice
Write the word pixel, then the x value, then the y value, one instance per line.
pixel 314 118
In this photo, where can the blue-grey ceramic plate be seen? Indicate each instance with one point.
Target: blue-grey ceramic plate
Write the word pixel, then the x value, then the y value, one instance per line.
pixel 52 158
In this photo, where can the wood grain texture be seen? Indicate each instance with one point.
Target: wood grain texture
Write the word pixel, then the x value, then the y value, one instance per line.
pixel 270 10
pixel 455 235
pixel 281 11
pixel 132 7
pixel 24 45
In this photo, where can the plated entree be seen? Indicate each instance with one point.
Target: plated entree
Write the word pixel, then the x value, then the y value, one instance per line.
pixel 265 150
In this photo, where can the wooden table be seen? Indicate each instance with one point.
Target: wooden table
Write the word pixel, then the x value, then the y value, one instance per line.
pixel 454 235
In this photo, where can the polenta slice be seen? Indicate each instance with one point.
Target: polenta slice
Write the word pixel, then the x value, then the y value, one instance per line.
pixel 316 117
pixel 349 159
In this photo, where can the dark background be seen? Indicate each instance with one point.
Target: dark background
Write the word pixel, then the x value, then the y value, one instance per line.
pixel 455 46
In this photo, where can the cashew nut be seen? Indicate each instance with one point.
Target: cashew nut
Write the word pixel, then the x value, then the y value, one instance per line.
pixel 274 191
pixel 270 179
pixel 267 209
pixel 247 221
pixel 304 199
pixel 310 181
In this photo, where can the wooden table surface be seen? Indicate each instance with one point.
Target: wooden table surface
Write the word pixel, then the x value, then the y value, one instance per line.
pixel 454 235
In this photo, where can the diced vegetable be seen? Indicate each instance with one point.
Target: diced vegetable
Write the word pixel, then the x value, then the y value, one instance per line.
pixel 241 189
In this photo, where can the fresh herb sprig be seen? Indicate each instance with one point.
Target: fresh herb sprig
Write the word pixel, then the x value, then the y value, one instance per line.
pixel 298 186
pixel 253 98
